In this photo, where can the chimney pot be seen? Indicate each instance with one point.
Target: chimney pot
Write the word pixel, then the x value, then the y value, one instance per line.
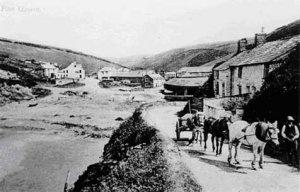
pixel 260 38
pixel 242 45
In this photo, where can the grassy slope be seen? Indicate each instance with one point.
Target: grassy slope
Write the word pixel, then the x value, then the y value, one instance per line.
pixel 290 29
pixel 135 159
pixel 63 57
pixel 174 59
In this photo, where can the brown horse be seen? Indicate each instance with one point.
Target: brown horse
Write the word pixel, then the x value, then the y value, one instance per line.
pixel 219 131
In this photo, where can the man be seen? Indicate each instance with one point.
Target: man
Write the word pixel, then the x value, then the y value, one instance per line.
pixel 290 133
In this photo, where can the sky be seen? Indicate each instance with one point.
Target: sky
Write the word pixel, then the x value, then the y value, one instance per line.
pixel 121 28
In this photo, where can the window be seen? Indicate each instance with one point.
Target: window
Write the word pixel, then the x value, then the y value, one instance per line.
pixel 253 89
pixel 248 89
pixel 223 89
pixel 240 71
pixel 79 71
pixel 217 74
pixel 266 70
pixel 240 89
pixel 217 88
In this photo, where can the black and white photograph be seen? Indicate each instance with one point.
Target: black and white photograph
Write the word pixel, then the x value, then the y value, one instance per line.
pixel 149 95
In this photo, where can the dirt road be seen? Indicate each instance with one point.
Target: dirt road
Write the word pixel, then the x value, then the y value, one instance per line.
pixel 213 173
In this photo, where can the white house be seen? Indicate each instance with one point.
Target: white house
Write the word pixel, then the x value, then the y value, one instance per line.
pixel 50 70
pixel 153 80
pixel 73 71
pixel 106 72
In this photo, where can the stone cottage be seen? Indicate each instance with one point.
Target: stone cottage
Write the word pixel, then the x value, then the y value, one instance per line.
pixel 245 72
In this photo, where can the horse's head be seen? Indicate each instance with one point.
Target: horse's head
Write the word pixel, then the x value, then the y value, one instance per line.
pixel 208 123
pixel 225 122
pixel 272 133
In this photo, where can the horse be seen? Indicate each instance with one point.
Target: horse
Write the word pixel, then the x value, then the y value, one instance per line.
pixel 199 123
pixel 256 134
pixel 206 130
pixel 219 131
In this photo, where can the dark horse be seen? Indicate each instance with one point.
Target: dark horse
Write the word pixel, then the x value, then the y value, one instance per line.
pixel 208 129
pixel 218 130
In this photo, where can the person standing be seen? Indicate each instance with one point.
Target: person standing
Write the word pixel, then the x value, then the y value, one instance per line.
pixel 290 133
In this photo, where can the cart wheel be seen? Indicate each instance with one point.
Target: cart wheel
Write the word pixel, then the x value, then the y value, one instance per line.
pixel 177 131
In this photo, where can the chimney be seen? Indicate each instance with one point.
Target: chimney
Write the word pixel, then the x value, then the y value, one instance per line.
pixel 260 38
pixel 242 45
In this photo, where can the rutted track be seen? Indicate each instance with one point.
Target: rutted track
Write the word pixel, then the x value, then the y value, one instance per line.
pixel 213 173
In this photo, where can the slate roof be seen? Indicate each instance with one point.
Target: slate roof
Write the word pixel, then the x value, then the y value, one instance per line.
pixel 155 76
pixel 195 69
pixel 267 52
pixel 187 82
pixel 129 74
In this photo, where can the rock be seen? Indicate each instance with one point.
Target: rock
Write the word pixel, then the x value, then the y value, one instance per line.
pixel 119 119
pixel 32 104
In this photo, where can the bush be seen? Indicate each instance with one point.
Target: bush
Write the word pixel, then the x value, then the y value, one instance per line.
pixel 132 161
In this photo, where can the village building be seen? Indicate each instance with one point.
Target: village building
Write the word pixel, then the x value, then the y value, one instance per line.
pixel 50 70
pixel 169 75
pixel 153 80
pixel 73 71
pixel 129 78
pixel 245 72
pixel 183 88
pixel 199 71
pixel 106 72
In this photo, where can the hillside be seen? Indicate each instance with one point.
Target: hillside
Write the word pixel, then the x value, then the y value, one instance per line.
pixel 174 59
pixel 22 50
pixel 199 54
pixel 285 31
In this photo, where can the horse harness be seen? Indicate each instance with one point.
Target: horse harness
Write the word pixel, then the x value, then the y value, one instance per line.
pixel 268 138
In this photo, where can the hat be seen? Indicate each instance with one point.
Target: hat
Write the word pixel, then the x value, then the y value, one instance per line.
pixel 290 118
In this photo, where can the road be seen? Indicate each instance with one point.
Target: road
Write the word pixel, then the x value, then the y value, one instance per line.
pixel 213 173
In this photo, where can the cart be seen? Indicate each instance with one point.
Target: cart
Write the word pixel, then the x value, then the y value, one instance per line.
pixel 183 125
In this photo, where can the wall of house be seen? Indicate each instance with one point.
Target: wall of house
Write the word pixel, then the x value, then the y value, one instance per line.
pixel 223 78
pixel 104 74
pixel 158 83
pixel 250 81
pixel 74 71
pixel 49 71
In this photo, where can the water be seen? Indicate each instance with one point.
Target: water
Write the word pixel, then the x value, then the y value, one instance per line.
pixel 39 161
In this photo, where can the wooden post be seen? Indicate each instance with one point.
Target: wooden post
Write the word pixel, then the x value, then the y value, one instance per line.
pixel 189 102
pixel 66 182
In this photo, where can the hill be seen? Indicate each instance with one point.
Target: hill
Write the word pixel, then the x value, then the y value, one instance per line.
pixel 285 31
pixel 199 54
pixel 174 59
pixel 23 50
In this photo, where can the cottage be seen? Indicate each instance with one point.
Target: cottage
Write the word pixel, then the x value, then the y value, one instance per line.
pixel 245 72
pixel 106 72
pixel 73 71
pixel 131 77
pixel 153 80
pixel 50 70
